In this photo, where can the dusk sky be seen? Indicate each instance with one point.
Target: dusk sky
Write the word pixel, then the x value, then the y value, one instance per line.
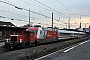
pixel 78 10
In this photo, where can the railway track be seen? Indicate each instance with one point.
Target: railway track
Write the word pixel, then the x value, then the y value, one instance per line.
pixel 35 52
pixel 2 46
pixel 3 49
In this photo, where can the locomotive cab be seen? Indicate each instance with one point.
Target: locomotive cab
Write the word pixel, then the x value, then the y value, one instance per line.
pixel 35 34
pixel 16 40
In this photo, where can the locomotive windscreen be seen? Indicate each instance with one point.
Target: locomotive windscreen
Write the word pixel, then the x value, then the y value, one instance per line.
pixel 13 38
pixel 31 31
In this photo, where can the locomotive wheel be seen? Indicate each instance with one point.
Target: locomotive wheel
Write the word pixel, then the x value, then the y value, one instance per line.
pixel 23 44
pixel 37 42
pixel 7 46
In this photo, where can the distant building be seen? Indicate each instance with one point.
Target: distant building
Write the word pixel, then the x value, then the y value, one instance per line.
pixel 2 23
pixel 7 28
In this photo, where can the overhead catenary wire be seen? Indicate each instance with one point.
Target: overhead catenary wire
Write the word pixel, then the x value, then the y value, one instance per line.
pixel 58 11
pixel 41 7
pixel 53 9
pixel 25 9
pixel 44 8
pixel 12 18
pixel 64 6
pixel 13 13
pixel 21 8
pixel 18 14
pixel 23 15
pixel 36 6
pixel 28 10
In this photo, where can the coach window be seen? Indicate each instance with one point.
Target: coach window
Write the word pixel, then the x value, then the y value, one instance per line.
pixel 59 34
pixel 0 33
pixel 62 34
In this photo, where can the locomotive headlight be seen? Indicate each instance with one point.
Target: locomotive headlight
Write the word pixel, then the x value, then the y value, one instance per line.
pixel 20 40
pixel 7 40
